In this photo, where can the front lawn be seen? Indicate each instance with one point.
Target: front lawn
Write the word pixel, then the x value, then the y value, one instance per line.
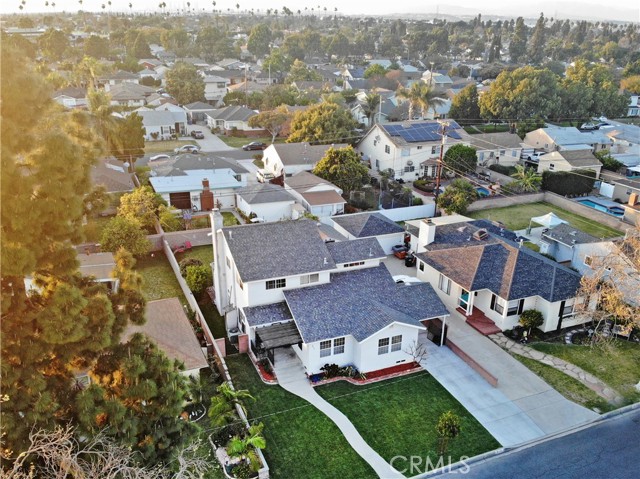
pixel 159 282
pixel 617 365
pixel 301 441
pixel 153 147
pixel 569 387
pixel 517 218
pixel 397 417
pixel 475 129
pixel 239 141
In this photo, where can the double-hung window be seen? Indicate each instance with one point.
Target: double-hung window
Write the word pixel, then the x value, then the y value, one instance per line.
pixel 277 283
pixel 444 284
pixel 309 278
pixel 567 310
pixel 383 346
pixel 396 343
pixel 325 348
pixel 338 346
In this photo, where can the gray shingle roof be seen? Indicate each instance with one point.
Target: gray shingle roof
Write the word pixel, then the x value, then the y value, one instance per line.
pixel 267 314
pixel 275 250
pixel 232 113
pixel 355 250
pixel 568 235
pixel 197 106
pixel 187 161
pixel 265 193
pixel 360 303
pixel 362 225
pixel 302 153
pixel 497 264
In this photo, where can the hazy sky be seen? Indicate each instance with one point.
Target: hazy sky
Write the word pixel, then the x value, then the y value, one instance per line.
pixel 365 7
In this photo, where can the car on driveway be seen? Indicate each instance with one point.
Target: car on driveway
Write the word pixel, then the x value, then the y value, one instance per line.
pixel 589 126
pixel 536 156
pixel 187 149
pixel 197 134
pixel 161 157
pixel 264 177
pixel 254 145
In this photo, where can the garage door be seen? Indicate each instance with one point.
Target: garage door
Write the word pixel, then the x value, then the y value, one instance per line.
pixel 182 201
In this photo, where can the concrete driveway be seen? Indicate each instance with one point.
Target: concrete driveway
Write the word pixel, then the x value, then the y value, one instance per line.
pixel 210 142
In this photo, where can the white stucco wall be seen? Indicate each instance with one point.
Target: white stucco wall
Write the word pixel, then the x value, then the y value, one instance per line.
pixel 267 211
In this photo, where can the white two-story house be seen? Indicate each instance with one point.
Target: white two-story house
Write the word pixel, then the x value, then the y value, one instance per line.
pixel 408 148
pixel 281 285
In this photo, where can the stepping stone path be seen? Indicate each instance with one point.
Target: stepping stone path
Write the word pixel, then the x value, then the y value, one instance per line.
pixel 589 380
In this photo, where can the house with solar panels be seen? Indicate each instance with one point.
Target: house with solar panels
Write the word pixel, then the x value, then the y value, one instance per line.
pixel 299 289
pixel 408 148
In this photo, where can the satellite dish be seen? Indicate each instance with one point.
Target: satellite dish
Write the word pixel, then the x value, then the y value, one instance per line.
pixel 410 162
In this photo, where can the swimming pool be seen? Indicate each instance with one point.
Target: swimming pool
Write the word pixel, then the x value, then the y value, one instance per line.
pixel 482 191
pixel 613 211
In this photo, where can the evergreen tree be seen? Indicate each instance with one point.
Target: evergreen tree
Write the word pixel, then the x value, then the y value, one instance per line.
pixel 537 43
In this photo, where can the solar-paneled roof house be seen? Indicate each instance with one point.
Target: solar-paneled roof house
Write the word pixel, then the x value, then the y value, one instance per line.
pixel 407 147
pixel 282 286
pixel 478 269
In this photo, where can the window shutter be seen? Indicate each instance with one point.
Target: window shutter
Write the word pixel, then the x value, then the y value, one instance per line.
pixel 520 306
pixel 493 301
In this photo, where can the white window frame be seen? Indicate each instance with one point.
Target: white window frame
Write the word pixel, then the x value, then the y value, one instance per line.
pixel 383 346
pixel 396 343
pixel 444 284
pixel 499 305
pixel 309 278
pixel 338 345
pixel 325 348
pixel 277 283
pixel 512 307
pixel 571 310
pixel 387 149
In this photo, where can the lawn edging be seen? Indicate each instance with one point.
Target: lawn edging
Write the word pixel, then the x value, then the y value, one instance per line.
pixel 364 382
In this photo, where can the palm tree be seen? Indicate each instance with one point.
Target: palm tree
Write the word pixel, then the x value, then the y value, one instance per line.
pixel 372 102
pixel 245 447
pixel 421 95
pixel 527 179
pixel 429 100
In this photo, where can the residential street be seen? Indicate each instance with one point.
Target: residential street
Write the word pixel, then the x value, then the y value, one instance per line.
pixel 607 449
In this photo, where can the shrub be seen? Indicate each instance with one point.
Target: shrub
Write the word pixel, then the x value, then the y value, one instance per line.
pixel 424 185
pixel 417 201
pixel 185 263
pixel 243 471
pixel 124 233
pixel 565 183
pixel 220 435
pixel 503 170
pixel 198 278
pixel 330 370
pixel 531 318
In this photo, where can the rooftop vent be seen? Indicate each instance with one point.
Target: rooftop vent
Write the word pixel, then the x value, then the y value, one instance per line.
pixel 480 235
pixel 325 262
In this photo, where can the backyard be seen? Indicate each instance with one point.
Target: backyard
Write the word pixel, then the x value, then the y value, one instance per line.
pixel 301 441
pixel 406 411
pixel 517 218
pixel 615 364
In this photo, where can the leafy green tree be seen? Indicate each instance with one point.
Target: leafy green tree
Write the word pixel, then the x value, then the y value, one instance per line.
pixel 185 84
pixel 375 70
pixel 96 47
pixel 448 427
pixel 464 106
pixel 631 84
pixel 521 94
pixel 277 62
pixel 54 43
pixel 526 179
pixel 130 133
pixel 221 411
pixel 299 71
pixel 260 38
pixel 136 396
pixel 518 45
pixel 140 47
pixel 631 69
pixel 608 161
pixel 213 43
pixel 169 218
pixel 47 155
pixel 177 40
pixel 323 122
pixel 531 318
pixel 343 168
pixel 198 278
pixel 272 120
pixel 461 159
pixel 141 205
pixel 124 233
pixel 371 107
pixel 457 197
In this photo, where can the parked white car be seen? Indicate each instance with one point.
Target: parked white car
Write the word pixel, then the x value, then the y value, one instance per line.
pixel 264 177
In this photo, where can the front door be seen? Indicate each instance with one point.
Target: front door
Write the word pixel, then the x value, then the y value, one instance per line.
pixel 463 302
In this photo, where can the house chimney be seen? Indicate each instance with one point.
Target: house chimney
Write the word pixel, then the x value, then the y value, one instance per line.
pixel 427 233
pixel 205 184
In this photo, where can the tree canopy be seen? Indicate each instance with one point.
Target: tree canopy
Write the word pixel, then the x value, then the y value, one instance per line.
pixel 457 197
pixel 273 121
pixel 185 84
pixel 343 168
pixel 461 159
pixel 322 123
pixel 464 106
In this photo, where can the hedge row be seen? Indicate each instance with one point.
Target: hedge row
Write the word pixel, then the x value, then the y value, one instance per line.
pixel 564 183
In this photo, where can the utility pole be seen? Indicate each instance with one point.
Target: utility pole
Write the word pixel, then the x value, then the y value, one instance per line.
pixel 443 133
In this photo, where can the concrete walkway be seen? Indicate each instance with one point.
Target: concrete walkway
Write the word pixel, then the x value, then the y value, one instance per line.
pixel 292 378
pixel 546 408
pixel 210 142
pixel 589 380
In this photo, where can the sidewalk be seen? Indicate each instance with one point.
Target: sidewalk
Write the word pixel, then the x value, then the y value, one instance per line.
pixel 589 380
pixel 292 378
pixel 549 411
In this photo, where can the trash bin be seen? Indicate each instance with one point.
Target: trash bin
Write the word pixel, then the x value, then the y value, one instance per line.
pixel 410 260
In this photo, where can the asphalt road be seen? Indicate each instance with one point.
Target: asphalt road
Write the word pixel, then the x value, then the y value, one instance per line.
pixel 608 449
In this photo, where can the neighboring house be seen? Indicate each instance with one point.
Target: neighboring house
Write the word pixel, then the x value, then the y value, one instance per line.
pixel 358 84
pixel 168 327
pixel 111 174
pixel 290 158
pixel 148 73
pixel 319 197
pixel 569 160
pixel 268 202
pixel 634 106
pixel 487 276
pixel 71 97
pixel 231 64
pixel 215 88
pixel 626 143
pixel 199 182
pixel 234 121
pixel 352 73
pixel 562 240
pixel 329 303
pixel 618 187
pixel 247 87
pixel 567 138
pixel 197 111
pixel 308 86
pixel 370 225
pixel 495 148
pixel 232 76
pixel 403 147
pixel 383 62
pixel 118 78
pixel 163 124
pixel 437 81
pixel 130 94
pixel 99 267
pixel 149 63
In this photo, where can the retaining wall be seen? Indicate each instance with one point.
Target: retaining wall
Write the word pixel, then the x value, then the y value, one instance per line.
pixel 503 201
pixel 490 378
pixel 410 212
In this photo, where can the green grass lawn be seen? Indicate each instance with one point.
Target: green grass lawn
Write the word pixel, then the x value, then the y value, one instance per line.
pixel 473 129
pixel 159 282
pixel 203 253
pixel 152 147
pixel 301 441
pixel 229 219
pixel 617 365
pixel 398 417
pixel 517 217
pixel 569 387
pixel 93 229
pixel 238 141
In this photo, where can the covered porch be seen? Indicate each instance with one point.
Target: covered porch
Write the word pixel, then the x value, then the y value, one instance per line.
pixel 474 316
pixel 270 338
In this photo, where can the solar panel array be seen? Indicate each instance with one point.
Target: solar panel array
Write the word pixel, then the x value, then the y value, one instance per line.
pixel 419 132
